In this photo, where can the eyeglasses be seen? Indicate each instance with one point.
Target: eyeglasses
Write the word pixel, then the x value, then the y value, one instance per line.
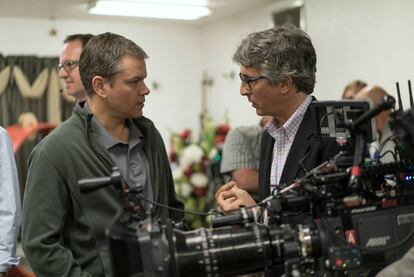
pixel 68 65
pixel 248 80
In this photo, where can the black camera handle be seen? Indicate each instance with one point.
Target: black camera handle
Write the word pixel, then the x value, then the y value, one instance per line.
pixel 87 185
pixel 131 196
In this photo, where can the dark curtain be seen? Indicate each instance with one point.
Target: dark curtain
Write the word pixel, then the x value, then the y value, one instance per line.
pixel 4 108
pixel 31 66
pixel 13 104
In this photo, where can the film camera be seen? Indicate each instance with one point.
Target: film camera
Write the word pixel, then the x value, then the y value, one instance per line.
pixel 355 216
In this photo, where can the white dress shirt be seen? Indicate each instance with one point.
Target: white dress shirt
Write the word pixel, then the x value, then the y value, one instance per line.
pixel 10 213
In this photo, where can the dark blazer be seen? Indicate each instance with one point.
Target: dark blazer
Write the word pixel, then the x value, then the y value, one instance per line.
pixel 306 148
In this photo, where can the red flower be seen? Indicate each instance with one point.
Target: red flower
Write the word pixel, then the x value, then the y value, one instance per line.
pixel 188 171
pixel 185 134
pixel 223 129
pixel 221 133
pixel 200 192
pixel 173 156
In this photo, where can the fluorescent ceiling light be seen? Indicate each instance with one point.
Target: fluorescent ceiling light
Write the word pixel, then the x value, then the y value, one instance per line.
pixel 170 9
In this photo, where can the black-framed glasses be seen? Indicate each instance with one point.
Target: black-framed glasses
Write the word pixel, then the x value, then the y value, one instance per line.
pixel 248 80
pixel 68 65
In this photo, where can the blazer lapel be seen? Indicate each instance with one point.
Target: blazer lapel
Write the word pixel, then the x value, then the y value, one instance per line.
pixel 265 164
pixel 299 150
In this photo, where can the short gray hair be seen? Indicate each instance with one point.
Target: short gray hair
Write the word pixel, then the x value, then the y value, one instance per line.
pixel 102 57
pixel 280 52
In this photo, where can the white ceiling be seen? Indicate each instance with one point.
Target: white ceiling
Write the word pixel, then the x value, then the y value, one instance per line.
pixel 77 9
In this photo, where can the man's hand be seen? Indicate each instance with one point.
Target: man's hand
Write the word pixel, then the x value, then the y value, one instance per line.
pixel 231 197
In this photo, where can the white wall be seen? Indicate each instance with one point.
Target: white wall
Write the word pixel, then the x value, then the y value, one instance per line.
pixel 174 60
pixel 371 39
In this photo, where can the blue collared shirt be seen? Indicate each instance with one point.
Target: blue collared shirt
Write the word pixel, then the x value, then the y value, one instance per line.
pixel 10 206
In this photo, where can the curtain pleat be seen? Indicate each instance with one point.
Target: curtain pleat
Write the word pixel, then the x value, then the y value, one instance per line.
pixel 34 91
pixel 4 110
pixel 53 99
pixel 4 78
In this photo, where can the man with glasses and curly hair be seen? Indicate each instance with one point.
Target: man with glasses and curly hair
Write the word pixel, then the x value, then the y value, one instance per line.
pixel 277 73
pixel 63 229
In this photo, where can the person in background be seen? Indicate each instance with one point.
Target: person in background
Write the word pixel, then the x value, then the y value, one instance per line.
pixel 69 65
pixel 241 153
pixel 63 230
pixel 352 89
pixel 10 215
pixel 384 148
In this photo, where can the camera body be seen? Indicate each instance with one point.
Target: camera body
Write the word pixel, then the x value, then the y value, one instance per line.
pixel 326 226
pixel 139 248
pixel 352 240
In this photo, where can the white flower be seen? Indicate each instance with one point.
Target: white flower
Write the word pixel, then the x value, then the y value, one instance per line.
pixel 191 155
pixel 212 153
pixel 177 173
pixel 185 189
pixel 199 180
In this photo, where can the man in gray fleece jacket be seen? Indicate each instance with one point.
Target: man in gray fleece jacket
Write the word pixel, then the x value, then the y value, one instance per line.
pixel 63 230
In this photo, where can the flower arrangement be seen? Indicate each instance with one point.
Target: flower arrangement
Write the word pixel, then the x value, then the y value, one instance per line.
pixel 195 165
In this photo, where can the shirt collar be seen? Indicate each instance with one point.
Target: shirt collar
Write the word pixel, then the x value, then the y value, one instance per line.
pixel 292 124
pixel 135 134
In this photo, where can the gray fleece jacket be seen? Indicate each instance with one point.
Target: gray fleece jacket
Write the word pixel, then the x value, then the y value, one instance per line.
pixel 63 231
